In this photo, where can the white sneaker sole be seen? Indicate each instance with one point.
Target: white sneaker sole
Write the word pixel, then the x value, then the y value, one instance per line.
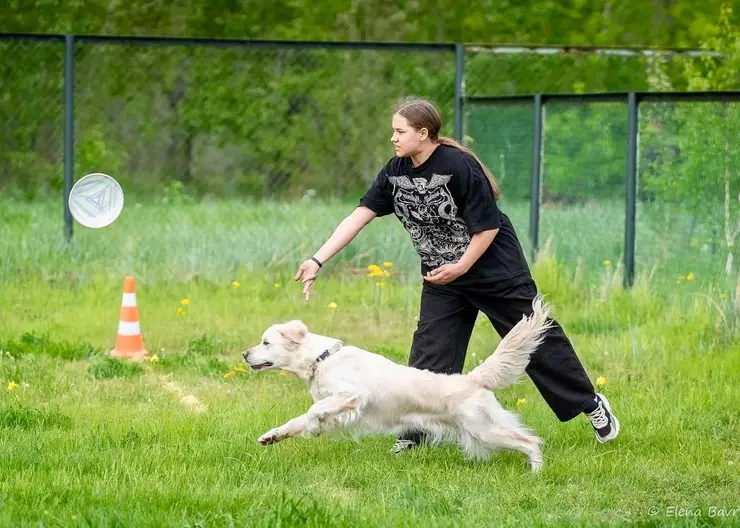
pixel 401 446
pixel 615 423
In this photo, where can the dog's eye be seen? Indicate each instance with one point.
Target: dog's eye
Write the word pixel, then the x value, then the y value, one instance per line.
pixel 264 342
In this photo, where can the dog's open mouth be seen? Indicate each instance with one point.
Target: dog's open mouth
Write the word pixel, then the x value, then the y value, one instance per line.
pixel 261 366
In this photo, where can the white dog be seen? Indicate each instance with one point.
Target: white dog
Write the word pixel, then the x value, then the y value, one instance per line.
pixel 365 393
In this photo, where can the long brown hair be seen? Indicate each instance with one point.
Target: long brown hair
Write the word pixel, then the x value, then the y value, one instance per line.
pixel 422 113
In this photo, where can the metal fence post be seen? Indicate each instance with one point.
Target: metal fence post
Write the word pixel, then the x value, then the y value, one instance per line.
pixel 459 70
pixel 631 191
pixel 69 82
pixel 534 206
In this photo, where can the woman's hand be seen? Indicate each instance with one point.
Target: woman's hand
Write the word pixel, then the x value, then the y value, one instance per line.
pixel 444 274
pixel 343 235
pixel 308 272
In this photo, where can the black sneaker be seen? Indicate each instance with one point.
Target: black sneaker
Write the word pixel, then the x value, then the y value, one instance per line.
pixel 406 442
pixel 606 425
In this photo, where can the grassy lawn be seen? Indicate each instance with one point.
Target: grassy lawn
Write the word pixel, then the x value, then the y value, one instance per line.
pixel 90 441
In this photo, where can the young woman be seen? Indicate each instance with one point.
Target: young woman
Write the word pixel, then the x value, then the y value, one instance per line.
pixel 471 261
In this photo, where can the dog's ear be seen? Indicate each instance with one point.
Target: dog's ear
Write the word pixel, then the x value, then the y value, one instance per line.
pixel 294 331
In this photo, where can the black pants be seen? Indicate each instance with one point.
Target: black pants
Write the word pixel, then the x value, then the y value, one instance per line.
pixel 446 321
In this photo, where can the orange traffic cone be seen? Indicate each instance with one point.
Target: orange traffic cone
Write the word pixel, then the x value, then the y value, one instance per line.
pixel 129 343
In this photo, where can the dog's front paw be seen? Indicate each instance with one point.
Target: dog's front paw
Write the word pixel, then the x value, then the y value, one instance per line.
pixel 270 437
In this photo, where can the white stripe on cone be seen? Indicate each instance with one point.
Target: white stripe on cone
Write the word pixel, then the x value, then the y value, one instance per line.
pixel 128 329
pixel 129 299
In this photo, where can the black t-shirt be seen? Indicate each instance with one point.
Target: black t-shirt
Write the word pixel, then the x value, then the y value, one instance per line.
pixel 442 203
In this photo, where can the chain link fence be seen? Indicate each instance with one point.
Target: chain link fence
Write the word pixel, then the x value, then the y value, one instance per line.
pixel 32 115
pixel 686 221
pixel 264 119
pixel 502 135
pixel 582 179
pixel 223 118
pixel 245 121
pixel 582 204
pixel 688 226
pixel 257 118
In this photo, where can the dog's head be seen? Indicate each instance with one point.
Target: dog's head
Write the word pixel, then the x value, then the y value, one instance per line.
pixel 280 346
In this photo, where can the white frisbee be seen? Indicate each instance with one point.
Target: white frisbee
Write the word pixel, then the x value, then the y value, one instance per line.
pixel 96 200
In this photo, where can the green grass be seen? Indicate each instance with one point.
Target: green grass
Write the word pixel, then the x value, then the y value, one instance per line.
pixel 89 441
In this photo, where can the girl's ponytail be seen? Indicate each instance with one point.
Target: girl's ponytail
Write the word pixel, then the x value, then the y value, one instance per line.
pixel 443 140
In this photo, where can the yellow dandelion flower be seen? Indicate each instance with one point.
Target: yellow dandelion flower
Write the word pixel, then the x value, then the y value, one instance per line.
pixel 374 271
pixel 332 305
pixel 283 373
pixel 521 401
pixel 601 381
pixel 381 284
pixel 154 359
pixel 185 301
pixel 240 368
pixel 387 264
pixel 386 273
pixel 230 374
pixel 12 386
pixel 690 276
pixel 235 284
pixel 607 263
pixel 276 285
pixel 181 311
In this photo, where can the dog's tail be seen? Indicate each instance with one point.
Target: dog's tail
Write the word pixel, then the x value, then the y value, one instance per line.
pixel 508 361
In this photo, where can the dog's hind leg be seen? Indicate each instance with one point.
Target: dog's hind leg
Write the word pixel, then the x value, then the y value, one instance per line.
pixel 488 428
pixel 516 441
pixel 320 417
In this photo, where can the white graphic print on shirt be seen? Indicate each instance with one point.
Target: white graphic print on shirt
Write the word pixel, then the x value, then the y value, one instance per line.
pixel 429 214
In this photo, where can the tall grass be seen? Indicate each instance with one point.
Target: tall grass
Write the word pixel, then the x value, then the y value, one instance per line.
pixel 174 238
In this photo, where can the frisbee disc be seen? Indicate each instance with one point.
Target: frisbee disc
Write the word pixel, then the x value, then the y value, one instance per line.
pixel 96 200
